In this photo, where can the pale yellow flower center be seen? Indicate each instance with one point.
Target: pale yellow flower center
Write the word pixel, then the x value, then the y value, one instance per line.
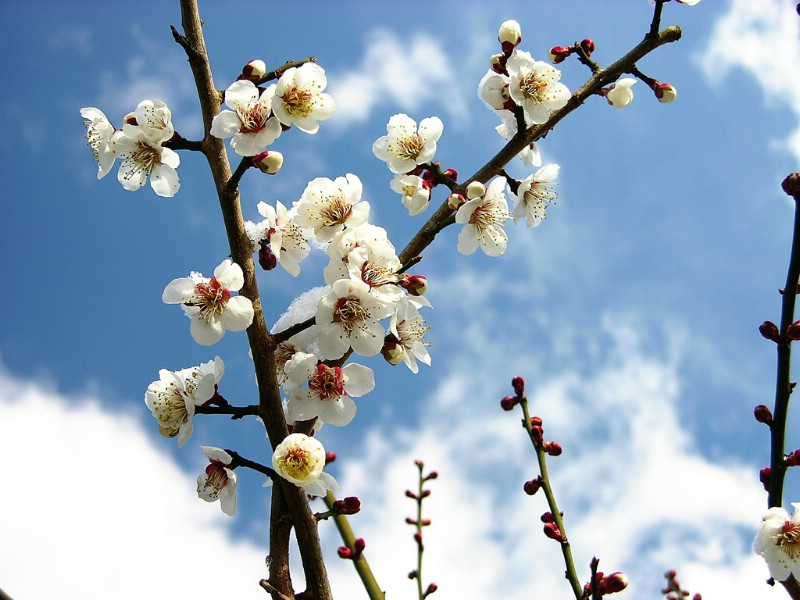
pixel 789 539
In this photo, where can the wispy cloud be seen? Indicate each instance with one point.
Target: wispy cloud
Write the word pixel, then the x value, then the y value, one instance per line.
pixel 763 40
pixel 400 73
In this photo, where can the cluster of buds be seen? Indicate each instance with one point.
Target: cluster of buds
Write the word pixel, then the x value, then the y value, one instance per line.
pixel 509 402
pixel 559 54
pixel 607 584
pixel 770 331
pixel 432 587
pixel 509 36
pixel 347 506
pixel 537 437
pixel 353 553
pixel 673 591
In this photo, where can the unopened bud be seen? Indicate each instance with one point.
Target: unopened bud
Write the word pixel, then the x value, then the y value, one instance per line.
pixel 537 435
pixel 344 552
pixel 536 421
pixel 451 174
pixel 764 475
pixel 613 583
pixel 359 545
pixel 432 587
pixel 587 46
pixel 552 531
pixel 431 475
pixel 666 93
pixel 769 330
pixel 330 457
pixel 793 331
pixel 411 494
pixel 518 383
pixel 254 70
pixel 792 459
pixel 547 517
pixel 268 162
pixel 532 486
pixel 475 190
pixel 266 258
pixel 393 352
pixel 553 448
pixel 510 36
pixel 791 184
pixel 416 285
pixel 763 414
pixel 559 54
pixel 348 506
pixel 508 403
pixel 498 64
pixel 412 574
pixel 454 201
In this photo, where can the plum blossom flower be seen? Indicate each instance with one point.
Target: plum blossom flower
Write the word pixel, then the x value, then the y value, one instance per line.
pixel 535 193
pixel 287 241
pixel 620 94
pixel 378 271
pixel 483 218
pixel 141 152
pixel 534 85
pixel 348 317
pixel 300 460
pixel 218 481
pixel 100 137
pixel 415 190
pixel 317 390
pixel 209 303
pixel 405 146
pixel 172 399
pixel 407 328
pixel 298 99
pixel 249 123
pixel 778 542
pixel 329 207
pixel 493 90
pixel 374 238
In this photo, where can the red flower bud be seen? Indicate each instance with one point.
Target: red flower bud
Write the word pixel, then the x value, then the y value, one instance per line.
pixel 344 552
pixel 518 383
pixel 769 330
pixel 613 583
pixel 547 517
pixel 451 174
pixel 553 448
pixel 411 494
pixel 330 457
pixel 432 587
pixel 266 258
pixel 792 459
pixel 763 476
pixel 763 414
pixel 791 184
pixel 537 435
pixel 431 475
pixel 348 506
pixel 793 331
pixel 508 403
pixel 359 545
pixel 588 46
pixel 552 531
pixel 536 421
pixel 532 486
pixel 416 285
pixel 412 574
pixel 559 54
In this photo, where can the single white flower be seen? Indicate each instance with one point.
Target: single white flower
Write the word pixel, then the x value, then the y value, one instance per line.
pixel 405 146
pixel 154 118
pixel 374 238
pixel 249 123
pixel 287 240
pixel 620 93
pixel 378 271
pixel 493 91
pixel 298 99
pixel 172 399
pixel 141 156
pixel 534 85
pixel 317 390
pixel 483 218
pixel 535 193
pixel 100 136
pixel 218 482
pixel 209 302
pixel 328 206
pixel 778 542
pixel 348 317
pixel 408 328
pixel 415 191
pixel 300 459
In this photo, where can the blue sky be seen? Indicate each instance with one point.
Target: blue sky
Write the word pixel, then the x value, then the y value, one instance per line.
pixel 632 311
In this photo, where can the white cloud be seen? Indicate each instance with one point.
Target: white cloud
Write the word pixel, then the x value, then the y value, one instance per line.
pixel 763 39
pixel 90 509
pixel 403 74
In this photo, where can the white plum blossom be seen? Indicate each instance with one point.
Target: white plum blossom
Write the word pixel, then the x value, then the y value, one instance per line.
pixel 329 207
pixel 249 122
pixel 287 241
pixel 298 99
pixel 534 85
pixel 778 542
pixel 209 303
pixel 620 94
pixel 378 271
pixel 535 193
pixel 173 398
pixel 374 238
pixel 405 147
pixel 300 460
pixel 348 317
pixel 317 390
pixel 141 152
pixel 218 482
pixel 483 219
pixel 100 137
pixel 493 90
pixel 415 191
pixel 407 329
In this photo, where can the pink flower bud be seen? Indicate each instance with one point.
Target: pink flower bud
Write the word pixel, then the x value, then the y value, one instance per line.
pixel 416 285
pixel 666 93
pixel 454 201
pixel 532 486
pixel 552 531
pixel 613 583
pixel 518 383
pixel 432 587
pixel 558 54
pixel 475 190
pixel 410 521
pixel 269 162
pixel 763 414
pixel 588 46
pixel 763 476
pixel 330 457
pixel 510 36
pixel 508 403
pixel 254 70
pixel 791 184
pixel 451 174
pixel 344 552
pixel 348 506
pixel 769 330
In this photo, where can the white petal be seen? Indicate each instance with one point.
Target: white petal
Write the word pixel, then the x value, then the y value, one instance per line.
pixel 238 314
pixel 178 291
pixel 206 333
pixel 229 275
pixel 358 380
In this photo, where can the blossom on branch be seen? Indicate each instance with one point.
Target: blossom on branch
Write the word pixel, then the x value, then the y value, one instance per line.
pixel 297 98
pixel 287 241
pixel 620 94
pixel 415 190
pixel 249 122
pixel 172 399
pixel 778 542
pixel 329 207
pixel 209 303
pixel 534 86
pixel 218 482
pixel 406 330
pixel 100 136
pixel 483 218
pixel 405 147
pixel 535 193
pixel 300 459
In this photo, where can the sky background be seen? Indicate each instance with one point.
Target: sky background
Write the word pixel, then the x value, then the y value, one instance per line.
pixel 632 311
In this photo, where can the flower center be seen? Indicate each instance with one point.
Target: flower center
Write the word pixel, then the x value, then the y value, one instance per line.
pixel 170 410
pixel 336 211
pixel 297 101
pixel 350 313
pixel 253 117
pixel 145 157
pixel 217 478
pixel 540 192
pixel 296 463
pixel 211 297
pixel 411 332
pixel 328 383
pixel 410 146
pixel 533 88
pixel 375 275
pixel 487 214
pixel 789 539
